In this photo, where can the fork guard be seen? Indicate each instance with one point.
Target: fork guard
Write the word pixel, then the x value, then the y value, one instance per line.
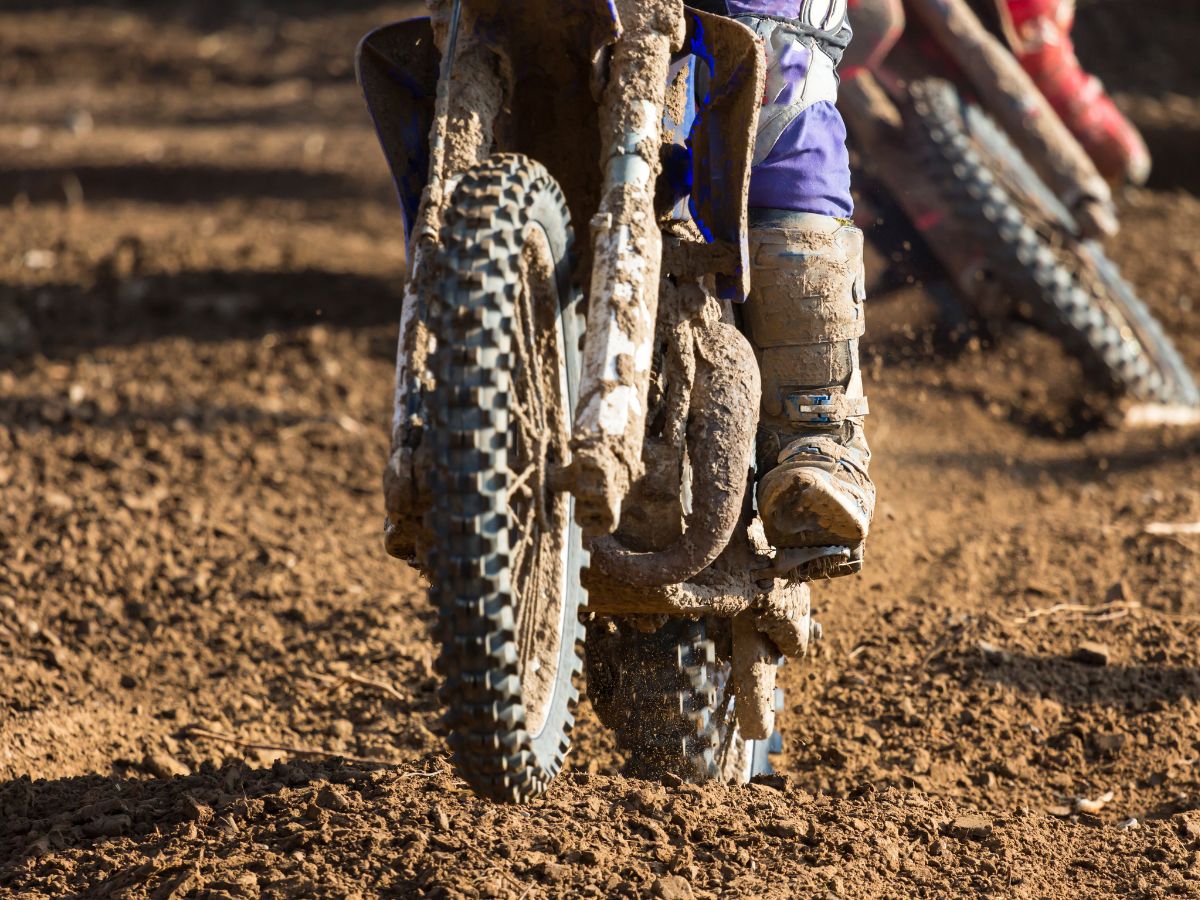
pixel 397 67
pixel 628 249
pixel 720 441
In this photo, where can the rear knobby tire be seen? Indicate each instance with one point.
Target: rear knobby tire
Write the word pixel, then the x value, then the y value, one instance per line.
pixel 1072 290
pixel 504 577
pixel 668 698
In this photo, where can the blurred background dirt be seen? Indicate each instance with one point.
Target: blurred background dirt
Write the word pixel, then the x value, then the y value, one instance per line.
pixel 200 256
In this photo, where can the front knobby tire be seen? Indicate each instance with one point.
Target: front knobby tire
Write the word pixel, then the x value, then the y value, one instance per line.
pixel 1073 291
pixel 506 555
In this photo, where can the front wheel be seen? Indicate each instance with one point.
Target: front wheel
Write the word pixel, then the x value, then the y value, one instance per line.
pixel 506 554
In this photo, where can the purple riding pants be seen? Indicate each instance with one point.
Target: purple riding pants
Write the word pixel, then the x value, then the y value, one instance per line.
pixel 802 164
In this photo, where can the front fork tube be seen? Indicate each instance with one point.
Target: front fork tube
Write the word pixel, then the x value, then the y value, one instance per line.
pixel 627 259
pixel 470 94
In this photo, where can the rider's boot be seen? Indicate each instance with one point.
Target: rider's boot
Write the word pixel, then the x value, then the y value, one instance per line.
pixel 1039 32
pixel 805 310
pixel 805 318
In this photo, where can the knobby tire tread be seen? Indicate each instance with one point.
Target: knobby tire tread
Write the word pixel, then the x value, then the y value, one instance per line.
pixel 1028 267
pixel 469 563
pixel 659 693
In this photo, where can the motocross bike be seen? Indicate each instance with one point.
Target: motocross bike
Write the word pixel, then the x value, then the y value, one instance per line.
pixel 575 419
pixel 946 120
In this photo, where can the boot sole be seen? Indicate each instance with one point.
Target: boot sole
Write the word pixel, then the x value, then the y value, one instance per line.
pixel 822 518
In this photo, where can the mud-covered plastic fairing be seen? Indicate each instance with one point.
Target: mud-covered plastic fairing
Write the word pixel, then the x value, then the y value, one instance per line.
pixel 554 113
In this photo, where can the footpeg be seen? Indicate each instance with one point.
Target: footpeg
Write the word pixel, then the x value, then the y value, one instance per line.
pixel 834 566
pixel 812 563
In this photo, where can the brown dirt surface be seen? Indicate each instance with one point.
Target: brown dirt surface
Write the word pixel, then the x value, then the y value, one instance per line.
pixel 199 286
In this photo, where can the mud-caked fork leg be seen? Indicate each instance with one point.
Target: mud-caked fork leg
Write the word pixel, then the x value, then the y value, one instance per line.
pixel 627 258
pixel 469 98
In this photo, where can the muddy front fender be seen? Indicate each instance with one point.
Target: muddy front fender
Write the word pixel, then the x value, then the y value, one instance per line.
pixel 398 71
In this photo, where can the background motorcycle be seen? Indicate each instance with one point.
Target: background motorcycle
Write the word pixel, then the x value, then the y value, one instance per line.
pixel 951 127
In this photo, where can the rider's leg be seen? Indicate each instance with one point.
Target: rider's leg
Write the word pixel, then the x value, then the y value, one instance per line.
pixel 1039 32
pixel 805 316
pixel 805 312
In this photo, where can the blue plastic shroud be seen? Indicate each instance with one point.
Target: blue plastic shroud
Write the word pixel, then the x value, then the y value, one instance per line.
pixel 553 117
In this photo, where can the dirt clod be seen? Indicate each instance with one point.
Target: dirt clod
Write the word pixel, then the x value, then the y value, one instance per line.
pixel 440 819
pixel 673 887
pixel 992 653
pixel 107 826
pixel 1189 826
pixel 1092 653
pixel 971 826
pixel 164 765
pixel 1111 742
pixel 333 798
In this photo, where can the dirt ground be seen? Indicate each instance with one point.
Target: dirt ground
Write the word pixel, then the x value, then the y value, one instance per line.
pixel 199 263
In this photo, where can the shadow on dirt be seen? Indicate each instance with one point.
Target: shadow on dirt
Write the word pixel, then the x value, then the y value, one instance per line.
pixel 1135 688
pixel 67 320
pixel 285 112
pixel 1076 417
pixel 158 183
pixel 919 328
pixel 1087 469
pixel 55 413
pixel 219 11
pixel 216 15
pixel 80 812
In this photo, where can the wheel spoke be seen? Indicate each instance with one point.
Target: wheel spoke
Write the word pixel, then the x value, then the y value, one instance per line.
pixel 538 421
pixel 527 430
pixel 521 482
